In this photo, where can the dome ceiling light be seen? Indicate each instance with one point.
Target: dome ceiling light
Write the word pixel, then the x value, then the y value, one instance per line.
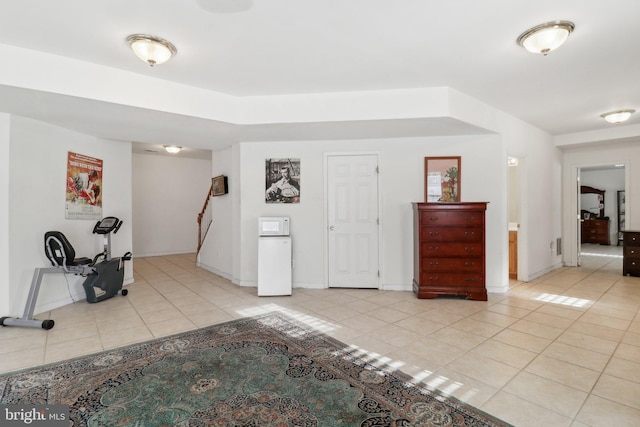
pixel 544 38
pixel 617 116
pixel 173 149
pixel 152 50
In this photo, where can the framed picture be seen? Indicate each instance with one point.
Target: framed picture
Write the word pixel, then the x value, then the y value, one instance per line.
pixel 219 185
pixel 442 179
pixel 282 180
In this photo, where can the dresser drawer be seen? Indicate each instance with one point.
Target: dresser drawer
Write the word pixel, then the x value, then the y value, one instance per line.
pixel 631 252
pixel 631 266
pixel 451 218
pixel 451 234
pixel 435 249
pixel 452 264
pixel 631 239
pixel 448 279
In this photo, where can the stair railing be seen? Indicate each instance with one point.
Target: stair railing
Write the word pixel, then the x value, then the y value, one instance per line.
pixel 205 218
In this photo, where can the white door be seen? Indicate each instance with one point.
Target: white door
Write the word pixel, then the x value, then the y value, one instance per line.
pixel 353 225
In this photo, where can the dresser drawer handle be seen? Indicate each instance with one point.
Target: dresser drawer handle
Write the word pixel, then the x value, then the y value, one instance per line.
pixel 469 264
pixel 469 218
pixel 434 248
pixel 469 233
pixel 469 279
pixel 632 251
pixel 432 279
pixel 436 263
pixel 470 249
pixel 434 233
pixel 433 218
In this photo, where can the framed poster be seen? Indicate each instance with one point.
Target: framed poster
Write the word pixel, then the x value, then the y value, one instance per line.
pixel 219 185
pixel 282 181
pixel 442 179
pixel 84 187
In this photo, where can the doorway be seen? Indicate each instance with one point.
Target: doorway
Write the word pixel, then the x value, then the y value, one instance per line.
pixel 600 210
pixel 513 189
pixel 353 221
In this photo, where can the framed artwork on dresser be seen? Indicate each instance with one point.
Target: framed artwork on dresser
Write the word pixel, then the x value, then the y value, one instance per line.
pixel 442 179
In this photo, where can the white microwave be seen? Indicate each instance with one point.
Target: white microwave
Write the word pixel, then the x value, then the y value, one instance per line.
pixel 273 226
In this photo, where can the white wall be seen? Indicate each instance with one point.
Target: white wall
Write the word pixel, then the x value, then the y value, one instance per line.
pixel 168 195
pixel 540 201
pixel 402 182
pixel 217 252
pixel 611 181
pixel 627 153
pixel 38 159
pixel 5 121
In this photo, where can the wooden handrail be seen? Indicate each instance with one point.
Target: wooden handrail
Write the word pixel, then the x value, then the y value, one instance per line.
pixel 201 215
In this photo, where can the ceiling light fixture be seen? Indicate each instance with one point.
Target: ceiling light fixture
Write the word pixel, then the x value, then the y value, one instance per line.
pixel 173 149
pixel 546 37
pixel 617 116
pixel 152 50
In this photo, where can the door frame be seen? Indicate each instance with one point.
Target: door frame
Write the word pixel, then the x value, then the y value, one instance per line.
pixel 571 256
pixel 325 234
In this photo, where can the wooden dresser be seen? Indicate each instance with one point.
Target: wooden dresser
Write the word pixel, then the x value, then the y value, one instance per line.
pixel 631 253
pixel 595 231
pixel 449 250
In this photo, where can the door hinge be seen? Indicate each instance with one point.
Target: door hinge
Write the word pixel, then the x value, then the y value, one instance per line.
pixel 378 273
pixel 378 221
pixel 377 169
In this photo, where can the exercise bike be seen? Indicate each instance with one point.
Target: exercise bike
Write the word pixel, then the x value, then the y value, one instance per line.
pixel 104 275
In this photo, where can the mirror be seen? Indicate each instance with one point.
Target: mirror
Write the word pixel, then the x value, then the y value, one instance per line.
pixel 591 202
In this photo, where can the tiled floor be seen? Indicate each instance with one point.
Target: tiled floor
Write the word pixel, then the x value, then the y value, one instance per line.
pixel 563 350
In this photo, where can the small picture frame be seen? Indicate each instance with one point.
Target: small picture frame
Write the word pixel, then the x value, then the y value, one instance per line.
pixel 219 185
pixel 442 179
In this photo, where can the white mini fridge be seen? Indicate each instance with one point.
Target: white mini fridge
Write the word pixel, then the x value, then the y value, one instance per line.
pixel 274 266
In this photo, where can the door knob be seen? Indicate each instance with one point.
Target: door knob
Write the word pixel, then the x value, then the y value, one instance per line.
pixel 331 228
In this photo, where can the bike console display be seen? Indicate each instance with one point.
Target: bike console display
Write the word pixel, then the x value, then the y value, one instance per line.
pixel 107 225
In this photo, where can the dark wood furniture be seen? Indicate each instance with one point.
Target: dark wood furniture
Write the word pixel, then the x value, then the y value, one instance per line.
pixel 449 250
pixel 631 253
pixel 595 226
pixel 621 216
pixel 595 231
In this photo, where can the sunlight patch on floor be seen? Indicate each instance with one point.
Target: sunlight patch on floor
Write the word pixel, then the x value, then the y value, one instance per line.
pixel 362 356
pixel 563 300
pixel 600 255
pixel 311 321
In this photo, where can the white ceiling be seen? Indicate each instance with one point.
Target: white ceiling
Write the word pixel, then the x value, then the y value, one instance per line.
pixel 275 47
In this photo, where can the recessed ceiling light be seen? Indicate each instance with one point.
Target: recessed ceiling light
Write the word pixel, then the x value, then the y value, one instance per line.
pixel 546 37
pixel 617 116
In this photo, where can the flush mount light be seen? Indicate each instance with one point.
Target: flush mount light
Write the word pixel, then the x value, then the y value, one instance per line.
pixel 544 38
pixel 173 149
pixel 617 116
pixel 152 50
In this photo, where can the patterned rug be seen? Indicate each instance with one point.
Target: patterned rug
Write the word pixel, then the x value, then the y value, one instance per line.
pixel 263 371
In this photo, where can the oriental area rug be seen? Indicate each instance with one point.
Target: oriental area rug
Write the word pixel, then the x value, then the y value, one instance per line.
pixel 269 370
